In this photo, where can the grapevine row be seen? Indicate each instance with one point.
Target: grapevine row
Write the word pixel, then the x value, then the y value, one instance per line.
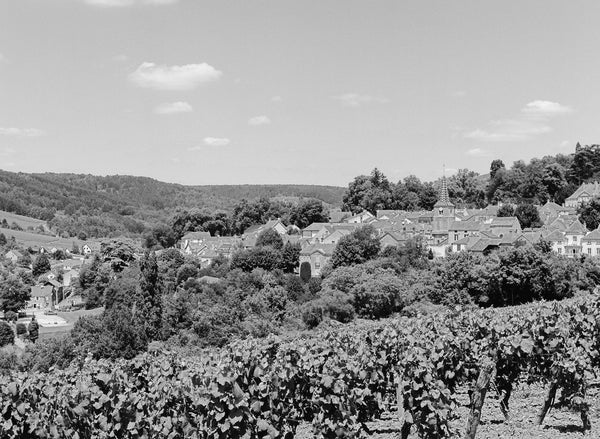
pixel 337 379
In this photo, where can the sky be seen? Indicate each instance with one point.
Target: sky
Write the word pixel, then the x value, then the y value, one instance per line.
pixel 307 92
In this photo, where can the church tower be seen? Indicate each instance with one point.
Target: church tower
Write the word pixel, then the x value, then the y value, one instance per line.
pixel 443 214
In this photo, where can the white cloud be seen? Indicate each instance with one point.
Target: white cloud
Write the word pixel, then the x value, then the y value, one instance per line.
pixel 210 141
pixel 216 141
pixel 355 100
pixel 173 108
pixel 2 58
pixel 259 120
pixel 478 152
pixel 533 120
pixel 276 99
pixel 21 132
pixel 125 3
pixel 565 144
pixel 545 109
pixel 458 94
pixel 163 77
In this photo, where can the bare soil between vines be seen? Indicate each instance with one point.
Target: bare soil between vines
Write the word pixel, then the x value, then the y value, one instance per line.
pixel 525 404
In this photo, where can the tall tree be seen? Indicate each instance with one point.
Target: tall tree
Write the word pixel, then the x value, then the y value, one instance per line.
pixel 41 265
pixel 357 247
pixel 14 294
pixel 528 215
pixel 269 238
pixel 308 212
pixel 371 193
pixel 589 214
pixel 290 257
pixel 495 166
pixel 149 297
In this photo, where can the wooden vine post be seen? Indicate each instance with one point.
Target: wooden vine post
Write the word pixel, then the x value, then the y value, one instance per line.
pixel 478 397
pixel 547 402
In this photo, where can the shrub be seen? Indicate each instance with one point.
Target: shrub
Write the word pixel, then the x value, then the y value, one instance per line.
pixel 10 316
pixel 21 329
pixel 305 271
pixel 7 336
pixel 312 314
pixel 373 300
pixel 266 258
pixel 338 306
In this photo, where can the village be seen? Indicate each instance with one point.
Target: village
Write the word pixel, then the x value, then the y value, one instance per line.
pixel 445 229
pixel 442 230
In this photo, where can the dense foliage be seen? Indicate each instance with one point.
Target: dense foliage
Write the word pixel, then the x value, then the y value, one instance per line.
pixel 94 206
pixel 550 178
pixel 337 379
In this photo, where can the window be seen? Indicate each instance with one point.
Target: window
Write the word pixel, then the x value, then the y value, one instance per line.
pixel 589 251
pixel 559 250
pixel 598 251
pixel 456 236
pixel 574 238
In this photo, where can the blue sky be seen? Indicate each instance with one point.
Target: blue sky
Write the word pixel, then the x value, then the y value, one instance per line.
pixel 278 91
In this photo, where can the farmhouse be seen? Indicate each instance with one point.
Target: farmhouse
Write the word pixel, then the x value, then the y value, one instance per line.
pixel 13 256
pixel 585 193
pixel 42 297
pixel 317 255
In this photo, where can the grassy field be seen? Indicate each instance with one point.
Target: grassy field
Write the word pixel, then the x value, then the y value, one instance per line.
pixel 71 318
pixel 29 239
pixel 23 221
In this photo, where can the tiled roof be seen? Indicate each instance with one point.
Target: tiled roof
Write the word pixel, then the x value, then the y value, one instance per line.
pixel 483 244
pixel 463 241
pixel 592 236
pixel 315 226
pixel 465 225
pixel 504 221
pixel 41 291
pixel 576 228
pixel 195 236
pixel 555 236
pixel 592 189
pixel 325 249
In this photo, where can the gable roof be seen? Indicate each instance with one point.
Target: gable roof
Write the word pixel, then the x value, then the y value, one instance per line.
pixel 315 227
pixel 324 249
pixel 555 236
pixel 576 228
pixel 395 235
pixel 483 244
pixel 594 235
pixel 195 236
pixel 591 189
pixel 42 291
pixel 257 228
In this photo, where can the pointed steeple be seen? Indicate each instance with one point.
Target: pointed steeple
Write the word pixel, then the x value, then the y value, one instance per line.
pixel 444 198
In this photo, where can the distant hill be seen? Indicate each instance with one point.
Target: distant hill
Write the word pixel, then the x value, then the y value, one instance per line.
pixel 110 204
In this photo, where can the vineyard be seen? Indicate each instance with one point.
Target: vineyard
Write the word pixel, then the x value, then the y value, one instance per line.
pixel 337 379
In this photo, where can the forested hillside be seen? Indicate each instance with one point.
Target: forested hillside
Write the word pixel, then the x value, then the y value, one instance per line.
pixel 112 205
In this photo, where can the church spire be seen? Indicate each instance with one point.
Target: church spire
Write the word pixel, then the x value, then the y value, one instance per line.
pixel 444 198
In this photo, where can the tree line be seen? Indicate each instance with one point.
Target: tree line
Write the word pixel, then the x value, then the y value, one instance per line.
pixel 550 178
